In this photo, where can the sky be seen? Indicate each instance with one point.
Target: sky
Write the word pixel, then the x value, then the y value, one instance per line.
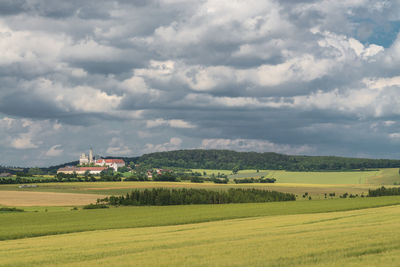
pixel 133 77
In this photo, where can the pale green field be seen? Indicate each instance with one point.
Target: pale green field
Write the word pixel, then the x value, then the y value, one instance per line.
pixel 323 177
pixel 369 237
pixel 381 177
pixel 117 188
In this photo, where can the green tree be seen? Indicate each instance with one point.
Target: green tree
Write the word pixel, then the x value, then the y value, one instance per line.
pixel 235 169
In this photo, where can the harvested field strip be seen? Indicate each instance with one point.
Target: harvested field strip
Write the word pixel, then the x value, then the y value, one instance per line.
pixel 116 188
pixel 30 224
pixel 369 237
pixel 21 198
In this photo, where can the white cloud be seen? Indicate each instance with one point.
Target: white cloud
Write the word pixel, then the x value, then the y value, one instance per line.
pixel 24 141
pixel 171 123
pixel 253 145
pixel 27 46
pixel 394 135
pixel 76 98
pixel 173 144
pixel 118 148
pixel 55 151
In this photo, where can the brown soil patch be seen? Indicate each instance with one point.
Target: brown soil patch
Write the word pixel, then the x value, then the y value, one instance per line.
pixel 20 198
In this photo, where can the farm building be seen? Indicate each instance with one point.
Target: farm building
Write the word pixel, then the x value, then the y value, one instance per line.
pixel 88 162
pixel 5 174
pixel 157 171
pixel 89 159
pixel 111 163
pixel 81 170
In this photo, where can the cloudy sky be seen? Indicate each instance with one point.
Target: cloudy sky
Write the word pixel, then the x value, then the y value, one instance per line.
pixel 132 77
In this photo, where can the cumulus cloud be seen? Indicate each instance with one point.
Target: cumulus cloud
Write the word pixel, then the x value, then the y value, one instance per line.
pixel 173 144
pixel 253 145
pixel 170 123
pixel 118 148
pixel 55 151
pixel 285 76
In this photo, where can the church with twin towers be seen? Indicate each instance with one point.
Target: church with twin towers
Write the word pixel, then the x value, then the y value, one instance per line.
pixel 87 159
pixel 91 160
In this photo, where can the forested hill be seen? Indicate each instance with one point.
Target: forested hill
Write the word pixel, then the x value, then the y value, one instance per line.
pixel 226 159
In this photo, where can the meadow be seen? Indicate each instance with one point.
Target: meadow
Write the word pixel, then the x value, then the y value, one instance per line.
pixel 327 231
pixel 368 237
pixel 31 224
pixel 317 191
pixel 377 177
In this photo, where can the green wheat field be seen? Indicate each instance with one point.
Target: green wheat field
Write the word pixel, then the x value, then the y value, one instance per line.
pixel 322 231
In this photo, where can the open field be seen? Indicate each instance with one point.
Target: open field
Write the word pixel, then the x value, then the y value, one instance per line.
pixel 30 224
pixel 378 177
pixel 368 237
pixel 15 198
pixel 117 188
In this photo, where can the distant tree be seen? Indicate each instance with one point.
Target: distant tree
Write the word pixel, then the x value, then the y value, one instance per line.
pixel 123 169
pixel 35 171
pixel 235 169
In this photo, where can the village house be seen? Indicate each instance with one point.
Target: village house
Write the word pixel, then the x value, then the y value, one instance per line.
pixel 81 170
pixel 87 162
pixel 111 163
pixel 157 171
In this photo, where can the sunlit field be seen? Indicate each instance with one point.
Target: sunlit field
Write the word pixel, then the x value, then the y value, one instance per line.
pixel 317 229
pixel 352 238
pixel 30 224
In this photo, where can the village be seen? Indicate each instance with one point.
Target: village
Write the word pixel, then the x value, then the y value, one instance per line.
pixel 95 165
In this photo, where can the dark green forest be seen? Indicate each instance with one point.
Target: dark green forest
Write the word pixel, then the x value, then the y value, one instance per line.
pixel 165 196
pixel 227 160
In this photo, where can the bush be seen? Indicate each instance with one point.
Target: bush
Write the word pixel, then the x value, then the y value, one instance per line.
pixel 383 191
pixel 95 206
pixel 220 181
pixel 4 209
pixel 196 179
pixel 165 177
pixel 254 180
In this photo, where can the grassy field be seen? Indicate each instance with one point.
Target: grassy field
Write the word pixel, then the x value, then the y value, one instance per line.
pixel 369 237
pixel 30 224
pixel 317 191
pixel 378 177
pixel 315 184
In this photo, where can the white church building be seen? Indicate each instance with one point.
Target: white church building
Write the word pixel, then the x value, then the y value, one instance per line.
pixel 91 160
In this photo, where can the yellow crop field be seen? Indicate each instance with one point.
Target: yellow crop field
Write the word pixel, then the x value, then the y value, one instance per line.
pixel 368 237
pixel 21 198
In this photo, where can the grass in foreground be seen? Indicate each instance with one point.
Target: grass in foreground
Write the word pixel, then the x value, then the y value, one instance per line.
pixel 368 237
pixel 31 224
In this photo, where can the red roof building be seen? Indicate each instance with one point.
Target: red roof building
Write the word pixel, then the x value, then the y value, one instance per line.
pixel 112 163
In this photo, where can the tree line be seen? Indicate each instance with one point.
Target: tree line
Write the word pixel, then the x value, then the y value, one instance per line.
pixel 229 160
pixel 164 196
pixel 254 180
pixel 383 191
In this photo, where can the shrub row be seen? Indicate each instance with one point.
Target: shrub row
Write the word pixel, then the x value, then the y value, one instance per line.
pixel 383 191
pixel 5 209
pixel 254 180
pixel 164 196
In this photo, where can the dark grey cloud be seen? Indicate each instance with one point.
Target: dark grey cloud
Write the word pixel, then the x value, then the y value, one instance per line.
pixel 11 7
pixel 128 77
